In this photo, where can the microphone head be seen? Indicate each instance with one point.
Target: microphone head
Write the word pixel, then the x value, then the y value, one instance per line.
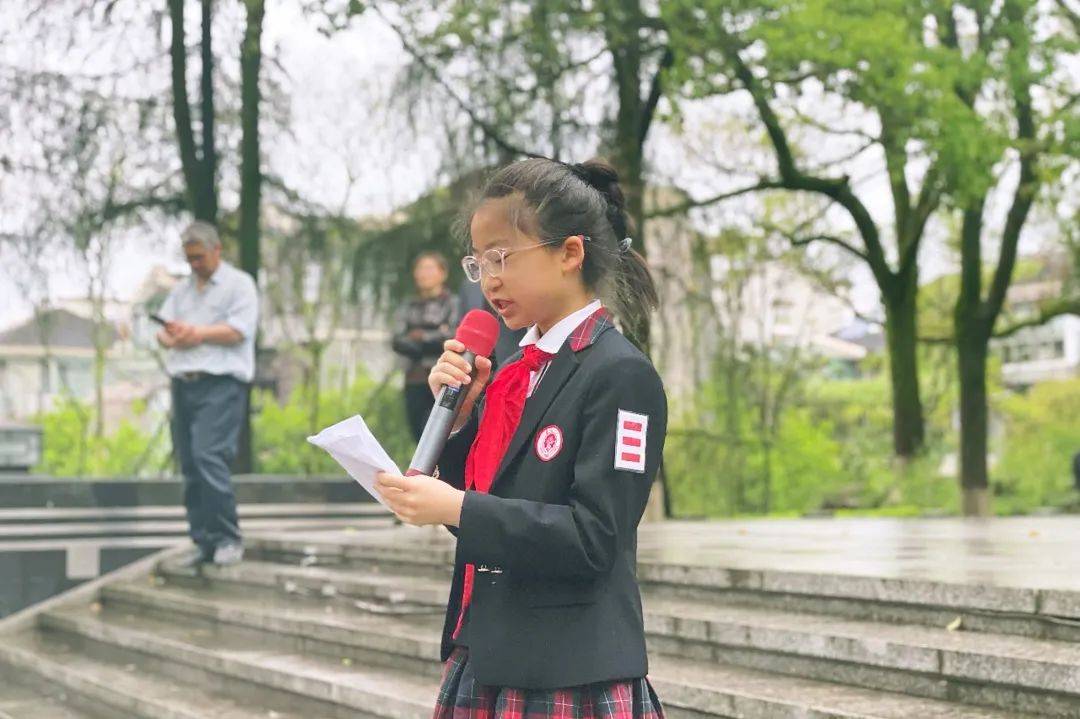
pixel 478 331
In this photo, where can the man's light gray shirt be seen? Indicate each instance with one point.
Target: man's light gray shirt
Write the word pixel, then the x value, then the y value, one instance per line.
pixel 228 297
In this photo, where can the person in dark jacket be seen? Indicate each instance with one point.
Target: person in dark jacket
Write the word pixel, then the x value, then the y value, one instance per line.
pixel 545 484
pixel 425 324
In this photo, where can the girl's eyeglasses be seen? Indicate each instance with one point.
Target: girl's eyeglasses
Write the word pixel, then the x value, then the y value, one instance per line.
pixel 492 262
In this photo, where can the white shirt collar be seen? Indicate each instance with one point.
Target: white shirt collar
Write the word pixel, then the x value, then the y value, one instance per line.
pixel 212 279
pixel 552 340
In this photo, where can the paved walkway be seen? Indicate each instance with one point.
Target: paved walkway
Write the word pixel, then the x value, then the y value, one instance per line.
pixel 1023 552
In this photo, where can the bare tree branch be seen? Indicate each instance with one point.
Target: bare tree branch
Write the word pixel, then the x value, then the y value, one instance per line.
pixel 683 207
pixel 1056 308
pixel 830 239
pixel 489 131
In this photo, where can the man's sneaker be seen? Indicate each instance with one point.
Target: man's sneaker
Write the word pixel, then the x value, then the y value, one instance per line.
pixel 228 553
pixel 192 558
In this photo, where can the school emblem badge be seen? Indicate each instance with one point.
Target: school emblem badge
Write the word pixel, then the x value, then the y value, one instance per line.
pixel 549 443
pixel 630 435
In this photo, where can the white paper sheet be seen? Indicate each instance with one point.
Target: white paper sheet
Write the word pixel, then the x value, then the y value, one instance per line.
pixel 355 448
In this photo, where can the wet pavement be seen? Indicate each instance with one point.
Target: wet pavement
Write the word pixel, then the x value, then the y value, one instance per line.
pixel 1022 552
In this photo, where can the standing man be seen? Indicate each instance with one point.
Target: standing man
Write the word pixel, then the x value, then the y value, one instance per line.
pixel 210 323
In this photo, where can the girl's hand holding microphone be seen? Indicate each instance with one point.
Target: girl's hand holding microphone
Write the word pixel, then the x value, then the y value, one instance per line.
pixel 421 499
pixel 452 370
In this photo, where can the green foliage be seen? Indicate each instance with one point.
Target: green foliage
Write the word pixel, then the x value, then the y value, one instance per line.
pixel 832 451
pixel 70 449
pixel 281 431
pixel 918 66
pixel 721 461
pixel 937 298
pixel 1040 438
pixel 861 418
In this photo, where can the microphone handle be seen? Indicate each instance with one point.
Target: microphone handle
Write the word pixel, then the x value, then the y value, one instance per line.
pixel 440 422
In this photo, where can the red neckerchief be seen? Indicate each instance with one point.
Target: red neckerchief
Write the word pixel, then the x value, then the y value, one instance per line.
pixel 502 413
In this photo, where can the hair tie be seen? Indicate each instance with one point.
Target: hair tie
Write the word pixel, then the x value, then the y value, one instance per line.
pixel 579 171
pixel 624 245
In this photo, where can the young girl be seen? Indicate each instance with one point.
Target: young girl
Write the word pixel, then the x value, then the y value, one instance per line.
pixel 545 485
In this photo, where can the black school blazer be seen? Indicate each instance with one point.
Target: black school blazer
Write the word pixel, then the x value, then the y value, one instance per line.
pixel 555 600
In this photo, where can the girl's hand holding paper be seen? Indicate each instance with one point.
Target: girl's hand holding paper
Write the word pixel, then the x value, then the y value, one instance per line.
pixel 420 499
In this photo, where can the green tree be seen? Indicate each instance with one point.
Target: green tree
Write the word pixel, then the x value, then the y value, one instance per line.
pixel 912 74
pixel 558 78
pixel 1040 440
pixel 869 55
pixel 1002 54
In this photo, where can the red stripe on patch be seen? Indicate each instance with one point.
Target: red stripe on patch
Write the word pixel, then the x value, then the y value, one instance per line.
pixel 631 441
pixel 632 426
pixel 627 457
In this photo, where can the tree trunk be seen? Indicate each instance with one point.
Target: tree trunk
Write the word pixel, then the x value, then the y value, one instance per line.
pixel 99 378
pixel 971 350
pixel 624 21
pixel 207 189
pixel 250 171
pixel 315 387
pixel 901 336
pixel 198 172
pixel 250 179
pixel 734 452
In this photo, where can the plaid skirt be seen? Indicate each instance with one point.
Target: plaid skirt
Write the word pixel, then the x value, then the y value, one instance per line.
pixel 461 697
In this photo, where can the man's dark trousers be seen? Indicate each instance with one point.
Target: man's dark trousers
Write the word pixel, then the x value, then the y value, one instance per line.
pixel 206 420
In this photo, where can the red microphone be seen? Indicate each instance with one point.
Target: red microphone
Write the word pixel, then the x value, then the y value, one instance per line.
pixel 478 331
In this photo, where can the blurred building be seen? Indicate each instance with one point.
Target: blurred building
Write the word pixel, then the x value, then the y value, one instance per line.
pixel 1046 352
pixel 780 306
pixel 771 305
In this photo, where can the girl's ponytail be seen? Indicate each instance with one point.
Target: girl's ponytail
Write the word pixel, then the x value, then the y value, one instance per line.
pixel 634 283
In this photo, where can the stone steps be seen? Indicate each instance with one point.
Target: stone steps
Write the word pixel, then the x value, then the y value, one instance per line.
pixel 306 683
pixel 724 690
pixel 270 580
pixel 134 619
pixel 1003 671
pixel 24 697
pixel 324 626
pixel 346 624
pixel 116 689
pixel 1042 614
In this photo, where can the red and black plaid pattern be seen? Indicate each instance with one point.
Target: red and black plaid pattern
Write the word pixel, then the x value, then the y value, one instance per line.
pixel 461 697
pixel 587 332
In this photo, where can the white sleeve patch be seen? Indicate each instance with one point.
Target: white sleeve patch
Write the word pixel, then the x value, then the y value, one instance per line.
pixel 630 437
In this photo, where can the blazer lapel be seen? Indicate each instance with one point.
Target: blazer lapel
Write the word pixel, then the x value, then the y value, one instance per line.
pixel 562 367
